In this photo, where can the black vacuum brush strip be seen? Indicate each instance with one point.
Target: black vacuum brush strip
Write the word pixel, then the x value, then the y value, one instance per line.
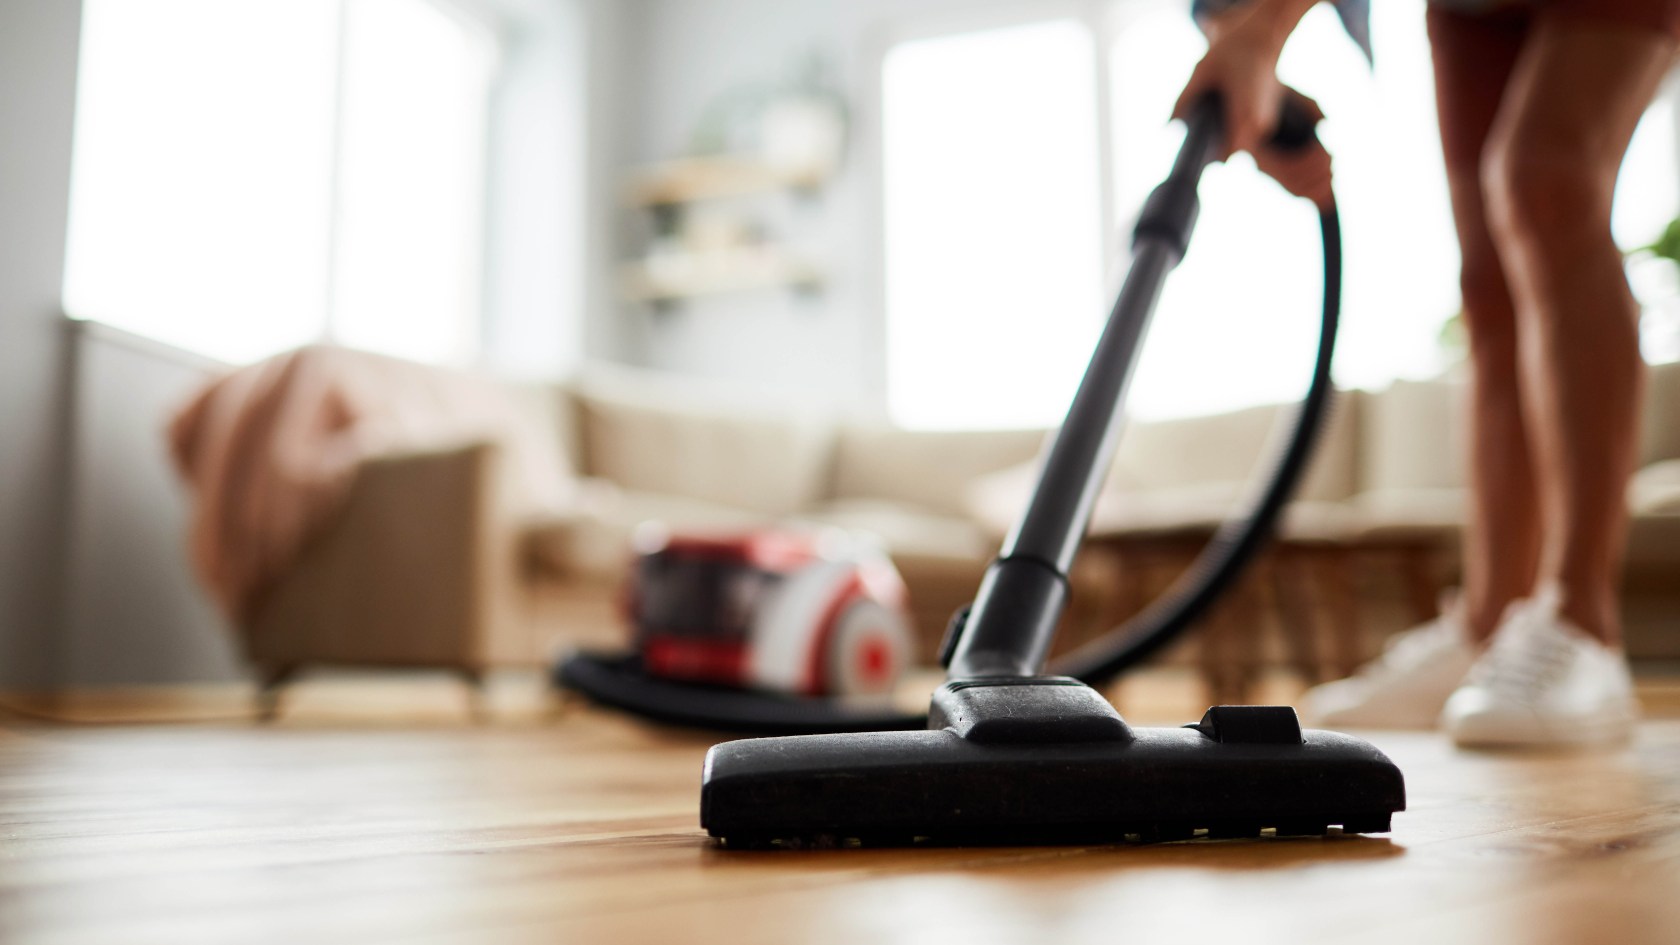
pixel 1012 756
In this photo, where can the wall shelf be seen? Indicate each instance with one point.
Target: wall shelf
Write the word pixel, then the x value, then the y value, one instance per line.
pixel 690 180
pixel 675 277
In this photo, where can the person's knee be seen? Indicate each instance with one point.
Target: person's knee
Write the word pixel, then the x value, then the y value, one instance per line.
pixel 1546 198
pixel 1489 314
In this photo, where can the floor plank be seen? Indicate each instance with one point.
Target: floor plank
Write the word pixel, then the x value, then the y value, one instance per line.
pixel 583 829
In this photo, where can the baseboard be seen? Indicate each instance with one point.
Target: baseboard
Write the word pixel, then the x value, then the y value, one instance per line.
pixel 317 696
pixel 1155 695
pixel 188 702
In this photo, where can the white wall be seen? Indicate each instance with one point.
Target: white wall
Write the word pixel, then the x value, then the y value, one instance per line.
pixel 535 294
pixel 37 102
pixel 613 28
pixel 135 615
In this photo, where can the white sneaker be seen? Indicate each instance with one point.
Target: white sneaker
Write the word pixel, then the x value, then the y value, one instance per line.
pixel 1542 681
pixel 1405 687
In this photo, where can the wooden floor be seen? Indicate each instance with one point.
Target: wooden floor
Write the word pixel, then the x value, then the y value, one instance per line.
pixel 582 829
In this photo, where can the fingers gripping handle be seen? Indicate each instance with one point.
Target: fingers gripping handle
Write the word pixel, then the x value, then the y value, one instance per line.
pixel 1297 126
pixel 1170 212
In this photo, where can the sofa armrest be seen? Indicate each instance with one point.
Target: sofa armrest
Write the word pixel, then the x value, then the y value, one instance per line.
pixel 417 568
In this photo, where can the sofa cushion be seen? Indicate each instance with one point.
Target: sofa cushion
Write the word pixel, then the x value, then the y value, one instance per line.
pixel 594 541
pixel 1189 508
pixel 1413 435
pixel 996 500
pixel 1410 513
pixel 929 469
pixel 1218 448
pixel 1336 471
pixel 905 529
pixel 674 439
pixel 553 410
pixel 1659 437
pixel 1234 447
pixel 1203 508
pixel 1655 490
pixel 1191 473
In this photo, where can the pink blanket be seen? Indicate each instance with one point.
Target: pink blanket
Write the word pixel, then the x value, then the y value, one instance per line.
pixel 269 451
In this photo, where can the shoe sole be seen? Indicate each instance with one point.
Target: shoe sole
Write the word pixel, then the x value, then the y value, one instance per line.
pixel 1540 733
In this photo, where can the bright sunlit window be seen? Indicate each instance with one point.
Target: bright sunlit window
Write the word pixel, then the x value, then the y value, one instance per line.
pixel 1647 199
pixel 993 224
pixel 255 175
pixel 1238 323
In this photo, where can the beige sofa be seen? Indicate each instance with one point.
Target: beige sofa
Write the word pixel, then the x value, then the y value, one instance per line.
pixel 425 568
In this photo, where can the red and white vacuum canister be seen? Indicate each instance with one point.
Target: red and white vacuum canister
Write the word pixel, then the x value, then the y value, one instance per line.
pixel 812 613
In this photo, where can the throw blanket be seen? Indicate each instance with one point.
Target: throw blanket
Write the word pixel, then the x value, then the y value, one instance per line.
pixel 269 452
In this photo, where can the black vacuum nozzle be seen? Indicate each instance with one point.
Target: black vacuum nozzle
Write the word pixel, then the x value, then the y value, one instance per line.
pixel 1047 760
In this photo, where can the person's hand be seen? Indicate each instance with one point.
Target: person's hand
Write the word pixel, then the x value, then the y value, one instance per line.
pixel 1241 67
pixel 1305 170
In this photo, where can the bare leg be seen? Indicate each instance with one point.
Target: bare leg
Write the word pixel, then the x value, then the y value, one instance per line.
pixel 1474 57
pixel 1549 172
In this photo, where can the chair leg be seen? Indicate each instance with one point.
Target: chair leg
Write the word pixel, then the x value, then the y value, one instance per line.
pixel 478 707
pixel 269 684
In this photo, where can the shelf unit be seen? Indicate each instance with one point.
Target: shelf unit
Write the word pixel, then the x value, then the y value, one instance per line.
pixel 667 278
pixel 695 179
pixel 672 278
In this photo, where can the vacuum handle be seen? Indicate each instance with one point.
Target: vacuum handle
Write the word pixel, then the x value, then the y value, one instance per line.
pixel 1078 457
pixel 1013 619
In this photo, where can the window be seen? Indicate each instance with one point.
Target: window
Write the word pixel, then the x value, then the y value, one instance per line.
pixel 993 243
pixel 1237 323
pixel 251 176
pixel 1647 199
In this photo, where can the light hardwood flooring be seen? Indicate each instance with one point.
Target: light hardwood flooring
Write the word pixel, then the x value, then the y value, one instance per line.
pixel 333 827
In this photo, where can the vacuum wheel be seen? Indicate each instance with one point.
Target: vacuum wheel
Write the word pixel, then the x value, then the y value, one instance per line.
pixel 868 650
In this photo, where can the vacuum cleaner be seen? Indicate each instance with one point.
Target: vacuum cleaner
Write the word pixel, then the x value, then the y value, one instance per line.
pixel 1010 753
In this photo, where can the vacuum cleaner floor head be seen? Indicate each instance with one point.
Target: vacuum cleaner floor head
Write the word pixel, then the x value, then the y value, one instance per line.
pixel 1047 760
